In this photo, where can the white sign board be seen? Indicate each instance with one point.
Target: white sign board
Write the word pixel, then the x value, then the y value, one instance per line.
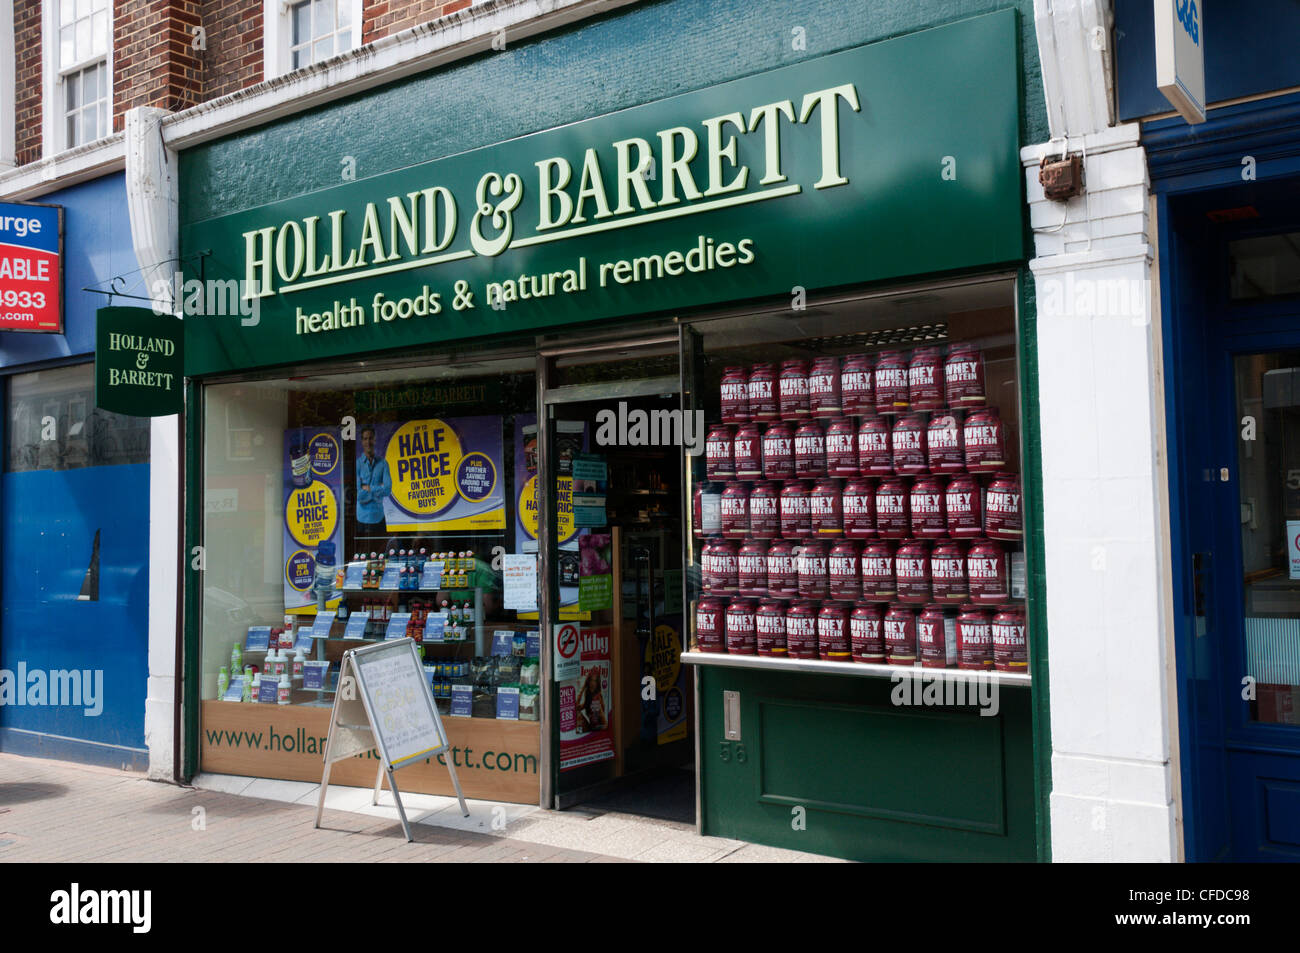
pixel 519 581
pixel 402 711
pixel 1180 56
pixel 567 651
pixel 384 701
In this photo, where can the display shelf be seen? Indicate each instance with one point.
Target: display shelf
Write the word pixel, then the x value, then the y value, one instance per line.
pixel 480 625
pixel 418 591
pixel 859 669
pixel 339 638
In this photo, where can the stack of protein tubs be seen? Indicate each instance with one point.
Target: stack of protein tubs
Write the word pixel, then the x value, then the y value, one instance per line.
pixel 858 509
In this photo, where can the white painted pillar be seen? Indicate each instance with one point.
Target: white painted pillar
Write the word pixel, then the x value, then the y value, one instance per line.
pixel 1115 784
pixel 152 201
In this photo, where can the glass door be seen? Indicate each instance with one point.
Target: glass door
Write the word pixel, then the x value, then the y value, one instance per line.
pixel 1268 399
pixel 1264 732
pixel 621 702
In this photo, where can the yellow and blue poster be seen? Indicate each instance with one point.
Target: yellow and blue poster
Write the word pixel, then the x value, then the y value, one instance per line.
pixel 446 474
pixel 663 718
pixel 313 516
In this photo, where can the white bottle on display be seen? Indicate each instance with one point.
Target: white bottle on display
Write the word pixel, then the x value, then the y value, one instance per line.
pixel 298 659
pixel 284 689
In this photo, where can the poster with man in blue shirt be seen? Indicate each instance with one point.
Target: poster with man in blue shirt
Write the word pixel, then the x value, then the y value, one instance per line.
pixel 373 485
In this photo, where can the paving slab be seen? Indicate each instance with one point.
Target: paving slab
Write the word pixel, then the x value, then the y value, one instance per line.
pixel 72 813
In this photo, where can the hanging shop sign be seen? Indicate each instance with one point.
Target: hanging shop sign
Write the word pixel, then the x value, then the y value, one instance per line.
pixel 138 362
pixel 1180 56
pixel 31 267
pixel 896 158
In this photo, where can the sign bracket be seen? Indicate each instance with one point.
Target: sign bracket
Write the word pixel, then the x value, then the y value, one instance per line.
pixel 118 282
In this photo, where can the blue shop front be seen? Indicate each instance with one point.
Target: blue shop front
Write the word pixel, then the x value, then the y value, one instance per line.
pixel 74 498
pixel 1227 209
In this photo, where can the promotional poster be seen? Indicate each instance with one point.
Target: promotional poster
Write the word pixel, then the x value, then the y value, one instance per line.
pixel 595 572
pixel 446 474
pixel 313 515
pixel 586 706
pixel 664 717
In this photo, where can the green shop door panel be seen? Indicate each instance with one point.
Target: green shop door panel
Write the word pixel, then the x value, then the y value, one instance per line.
pixel 829 765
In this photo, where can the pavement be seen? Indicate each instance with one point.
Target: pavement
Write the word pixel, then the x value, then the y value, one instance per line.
pixel 73 813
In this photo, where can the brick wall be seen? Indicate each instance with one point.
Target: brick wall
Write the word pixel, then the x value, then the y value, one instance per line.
pixel 155 62
pixel 382 18
pixel 233 59
pixel 27 80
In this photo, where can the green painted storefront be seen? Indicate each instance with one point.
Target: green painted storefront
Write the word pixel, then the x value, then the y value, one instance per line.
pixel 876 782
pixel 831 766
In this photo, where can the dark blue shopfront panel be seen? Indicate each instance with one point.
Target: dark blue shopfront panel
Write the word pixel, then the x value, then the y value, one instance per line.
pixel 96 248
pixel 1250 47
pixel 50 518
pixel 1240 773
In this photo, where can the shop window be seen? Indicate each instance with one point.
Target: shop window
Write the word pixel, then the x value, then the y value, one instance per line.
pixel 55 425
pixel 78 73
pixel 1265 267
pixel 343 508
pixel 858 499
pixel 300 34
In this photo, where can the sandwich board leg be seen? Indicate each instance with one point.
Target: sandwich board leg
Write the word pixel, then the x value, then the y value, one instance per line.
pixel 455 782
pixel 406 827
pixel 320 804
pixel 379 783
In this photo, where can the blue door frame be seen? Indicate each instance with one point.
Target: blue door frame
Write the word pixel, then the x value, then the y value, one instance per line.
pixel 1194 170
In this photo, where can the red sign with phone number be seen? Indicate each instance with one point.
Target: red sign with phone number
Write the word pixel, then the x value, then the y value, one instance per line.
pixel 31 268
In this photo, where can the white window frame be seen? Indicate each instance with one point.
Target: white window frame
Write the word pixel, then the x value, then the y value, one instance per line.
pixel 54 134
pixel 8 87
pixel 277 35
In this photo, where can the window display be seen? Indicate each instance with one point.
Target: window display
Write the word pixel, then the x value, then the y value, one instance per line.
pixel 343 509
pixel 394 513
pixel 859 496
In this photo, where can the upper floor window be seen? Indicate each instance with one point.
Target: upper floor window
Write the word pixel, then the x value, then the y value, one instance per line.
pixel 320 28
pixel 300 34
pixel 78 72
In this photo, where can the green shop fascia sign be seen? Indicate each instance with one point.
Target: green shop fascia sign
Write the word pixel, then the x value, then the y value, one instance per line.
pixel 139 362
pixel 892 159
